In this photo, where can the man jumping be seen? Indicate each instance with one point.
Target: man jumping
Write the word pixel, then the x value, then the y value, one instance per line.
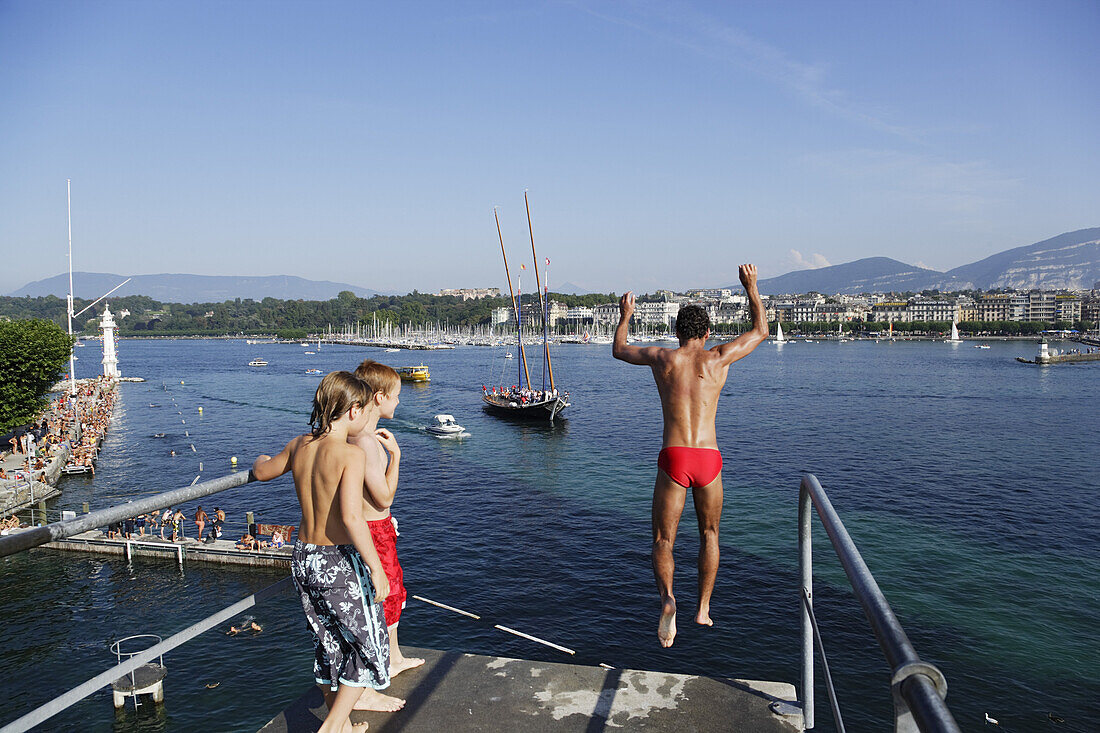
pixel 689 380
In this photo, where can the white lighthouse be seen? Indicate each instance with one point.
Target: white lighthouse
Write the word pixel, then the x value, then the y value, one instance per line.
pixel 110 359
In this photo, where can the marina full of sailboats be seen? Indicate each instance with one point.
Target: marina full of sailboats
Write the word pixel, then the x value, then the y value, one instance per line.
pixel 523 399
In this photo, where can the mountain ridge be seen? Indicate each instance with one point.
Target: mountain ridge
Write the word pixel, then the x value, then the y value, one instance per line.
pixel 1067 261
pixel 187 288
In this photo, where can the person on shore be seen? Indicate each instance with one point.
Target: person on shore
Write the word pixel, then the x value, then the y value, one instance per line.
pixel 689 380
pixel 380 486
pixel 335 565
pixel 200 521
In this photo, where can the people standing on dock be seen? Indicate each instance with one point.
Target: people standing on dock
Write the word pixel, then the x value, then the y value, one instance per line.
pixel 165 521
pixel 335 563
pixel 382 462
pixel 689 380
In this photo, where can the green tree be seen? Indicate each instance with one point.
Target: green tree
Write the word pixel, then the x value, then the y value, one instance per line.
pixel 33 355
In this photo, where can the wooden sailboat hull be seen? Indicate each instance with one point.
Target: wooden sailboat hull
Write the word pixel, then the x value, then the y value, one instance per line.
pixel 548 410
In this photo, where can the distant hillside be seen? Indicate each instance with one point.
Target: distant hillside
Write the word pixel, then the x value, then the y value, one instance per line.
pixel 1070 260
pixel 182 288
pixel 570 289
pixel 872 274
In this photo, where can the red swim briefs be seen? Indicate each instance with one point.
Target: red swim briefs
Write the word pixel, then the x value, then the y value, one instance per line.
pixel 692 468
pixel 384 535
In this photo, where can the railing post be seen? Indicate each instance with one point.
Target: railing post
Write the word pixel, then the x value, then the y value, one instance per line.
pixel 806 579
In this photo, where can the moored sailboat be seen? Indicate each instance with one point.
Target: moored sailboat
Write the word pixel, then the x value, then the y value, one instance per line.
pixel 519 400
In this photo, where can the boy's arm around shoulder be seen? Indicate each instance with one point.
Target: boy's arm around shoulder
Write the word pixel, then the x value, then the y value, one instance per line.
pixel 350 498
pixel 375 483
pixel 268 467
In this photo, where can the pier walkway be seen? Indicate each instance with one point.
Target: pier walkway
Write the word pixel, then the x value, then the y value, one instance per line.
pixel 470 692
pixel 220 551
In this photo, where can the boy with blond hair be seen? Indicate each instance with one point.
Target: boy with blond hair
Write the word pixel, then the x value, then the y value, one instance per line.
pixel 335 566
pixel 380 486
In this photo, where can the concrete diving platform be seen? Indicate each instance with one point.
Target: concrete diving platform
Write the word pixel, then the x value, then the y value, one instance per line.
pixel 469 692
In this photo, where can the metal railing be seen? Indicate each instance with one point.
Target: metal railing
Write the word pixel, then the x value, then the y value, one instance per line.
pixel 28 538
pixel 919 689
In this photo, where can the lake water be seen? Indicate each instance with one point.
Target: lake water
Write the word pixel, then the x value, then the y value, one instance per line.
pixel 968 481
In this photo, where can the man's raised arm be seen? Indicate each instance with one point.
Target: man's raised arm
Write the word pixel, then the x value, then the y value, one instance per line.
pixel 744 344
pixel 621 349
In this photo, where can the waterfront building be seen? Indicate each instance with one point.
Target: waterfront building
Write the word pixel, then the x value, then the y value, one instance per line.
pixel 471 293
pixel 891 311
pixel 711 293
pixel 502 315
pixel 1067 307
pixel 606 313
pixel 657 313
pixel 1002 307
pixel 933 309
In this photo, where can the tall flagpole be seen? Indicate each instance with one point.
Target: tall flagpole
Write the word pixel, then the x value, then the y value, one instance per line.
pixel 515 303
pixel 542 302
pixel 72 345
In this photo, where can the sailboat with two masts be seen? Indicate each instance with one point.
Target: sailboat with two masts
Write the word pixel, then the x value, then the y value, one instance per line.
pixel 520 400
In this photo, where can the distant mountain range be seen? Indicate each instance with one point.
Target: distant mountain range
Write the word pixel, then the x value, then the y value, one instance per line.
pixel 1070 260
pixel 180 288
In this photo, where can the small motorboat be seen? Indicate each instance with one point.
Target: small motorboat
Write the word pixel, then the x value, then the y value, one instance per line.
pixel 981 346
pixel 257 362
pixel 313 371
pixel 309 352
pixel 509 355
pixel 445 425
pixel 392 351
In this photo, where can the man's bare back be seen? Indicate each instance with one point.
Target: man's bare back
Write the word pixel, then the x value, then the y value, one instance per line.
pixel 689 380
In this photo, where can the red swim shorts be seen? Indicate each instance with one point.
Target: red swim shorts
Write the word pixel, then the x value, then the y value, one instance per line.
pixel 384 535
pixel 692 468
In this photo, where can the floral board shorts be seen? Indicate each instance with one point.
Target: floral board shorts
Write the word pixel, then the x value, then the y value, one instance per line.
pixel 350 641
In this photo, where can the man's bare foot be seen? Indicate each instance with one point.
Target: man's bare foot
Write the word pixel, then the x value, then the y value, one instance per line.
pixel 376 701
pixel 703 617
pixel 666 628
pixel 400 665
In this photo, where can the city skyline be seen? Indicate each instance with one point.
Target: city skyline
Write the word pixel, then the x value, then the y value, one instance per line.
pixel 662 143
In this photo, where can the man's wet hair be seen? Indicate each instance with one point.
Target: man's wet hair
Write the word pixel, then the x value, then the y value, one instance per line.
pixel 692 322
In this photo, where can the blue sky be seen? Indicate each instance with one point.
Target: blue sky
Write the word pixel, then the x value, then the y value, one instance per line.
pixel 662 143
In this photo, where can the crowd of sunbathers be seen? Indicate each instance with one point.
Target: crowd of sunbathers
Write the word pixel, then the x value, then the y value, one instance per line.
pixel 93 404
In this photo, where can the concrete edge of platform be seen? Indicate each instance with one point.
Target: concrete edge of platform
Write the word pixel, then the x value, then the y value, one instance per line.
pixel 457 691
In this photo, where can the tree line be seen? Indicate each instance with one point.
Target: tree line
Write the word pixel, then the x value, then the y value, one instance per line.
pixel 289 318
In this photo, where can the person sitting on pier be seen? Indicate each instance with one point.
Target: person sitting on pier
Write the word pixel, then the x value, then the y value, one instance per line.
pixel 689 381
pixel 380 475
pixel 248 542
pixel 335 565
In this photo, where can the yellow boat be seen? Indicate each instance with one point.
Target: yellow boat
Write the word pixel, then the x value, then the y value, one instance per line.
pixel 414 373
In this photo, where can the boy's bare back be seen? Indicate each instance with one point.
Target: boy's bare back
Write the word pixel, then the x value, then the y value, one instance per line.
pixel 319 465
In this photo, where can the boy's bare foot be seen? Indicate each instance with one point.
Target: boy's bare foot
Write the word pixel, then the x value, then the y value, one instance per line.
pixel 376 701
pixel 350 727
pixel 702 617
pixel 397 666
pixel 666 628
